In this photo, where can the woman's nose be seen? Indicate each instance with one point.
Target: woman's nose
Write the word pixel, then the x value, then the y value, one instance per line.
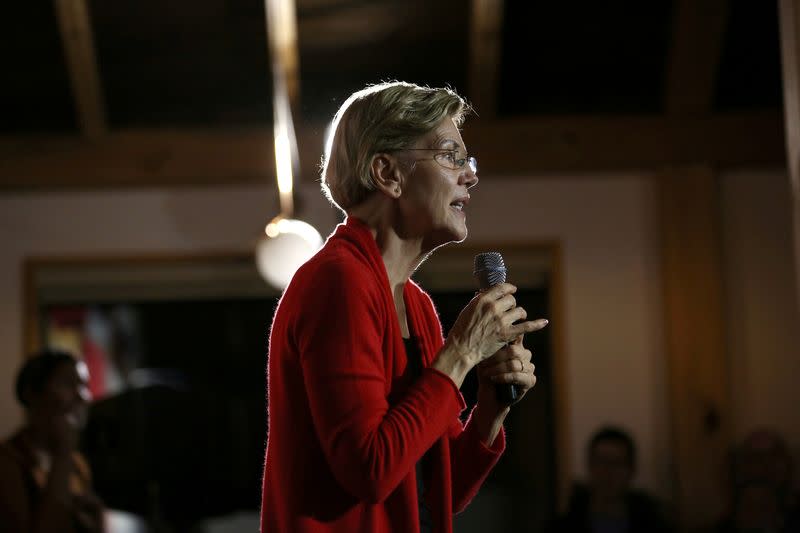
pixel 470 178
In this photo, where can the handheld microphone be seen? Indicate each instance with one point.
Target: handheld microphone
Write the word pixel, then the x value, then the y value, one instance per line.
pixel 490 270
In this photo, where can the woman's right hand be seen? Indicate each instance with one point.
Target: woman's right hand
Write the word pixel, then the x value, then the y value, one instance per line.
pixel 482 328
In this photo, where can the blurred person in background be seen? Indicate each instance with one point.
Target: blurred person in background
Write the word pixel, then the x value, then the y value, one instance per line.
pixel 607 503
pixel 763 497
pixel 45 483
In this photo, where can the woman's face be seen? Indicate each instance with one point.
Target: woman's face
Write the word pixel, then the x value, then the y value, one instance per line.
pixel 434 197
pixel 64 395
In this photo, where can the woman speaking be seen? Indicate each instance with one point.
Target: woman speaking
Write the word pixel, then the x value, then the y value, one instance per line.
pixel 363 390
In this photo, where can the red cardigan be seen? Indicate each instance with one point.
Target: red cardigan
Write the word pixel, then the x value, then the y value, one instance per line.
pixel 347 424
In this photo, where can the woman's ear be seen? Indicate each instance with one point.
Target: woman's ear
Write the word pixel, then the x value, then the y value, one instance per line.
pixel 386 174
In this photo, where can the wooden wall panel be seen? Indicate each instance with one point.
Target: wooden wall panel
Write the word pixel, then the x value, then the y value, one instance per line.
pixel 695 332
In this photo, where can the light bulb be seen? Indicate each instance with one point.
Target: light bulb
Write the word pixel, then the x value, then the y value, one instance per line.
pixel 288 244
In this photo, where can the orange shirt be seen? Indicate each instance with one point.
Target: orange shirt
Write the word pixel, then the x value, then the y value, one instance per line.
pixel 24 473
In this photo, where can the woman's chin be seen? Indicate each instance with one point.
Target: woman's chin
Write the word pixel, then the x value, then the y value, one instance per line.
pixel 447 236
pixel 460 237
pixel 459 231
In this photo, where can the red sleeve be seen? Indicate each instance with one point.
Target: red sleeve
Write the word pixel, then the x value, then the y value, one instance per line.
pixel 339 333
pixel 471 461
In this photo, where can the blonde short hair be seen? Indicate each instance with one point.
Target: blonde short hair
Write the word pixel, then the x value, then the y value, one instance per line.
pixel 380 118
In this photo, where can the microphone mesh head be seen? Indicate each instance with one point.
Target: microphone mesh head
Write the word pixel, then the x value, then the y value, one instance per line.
pixel 489 269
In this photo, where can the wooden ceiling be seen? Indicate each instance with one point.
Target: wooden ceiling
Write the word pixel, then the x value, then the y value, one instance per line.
pixel 153 93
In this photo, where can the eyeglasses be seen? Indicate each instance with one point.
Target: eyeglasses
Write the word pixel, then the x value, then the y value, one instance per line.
pixel 449 158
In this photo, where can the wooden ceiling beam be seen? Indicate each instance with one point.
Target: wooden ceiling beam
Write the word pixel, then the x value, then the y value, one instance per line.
pixel 698 33
pixel 790 55
pixel 157 157
pixel 485 47
pixel 79 52
pixel 578 144
pixel 519 147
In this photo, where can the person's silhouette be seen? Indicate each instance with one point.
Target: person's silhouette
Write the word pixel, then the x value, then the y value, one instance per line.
pixel 607 503
pixel 45 483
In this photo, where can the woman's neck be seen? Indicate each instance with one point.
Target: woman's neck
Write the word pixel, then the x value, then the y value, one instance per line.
pixel 401 254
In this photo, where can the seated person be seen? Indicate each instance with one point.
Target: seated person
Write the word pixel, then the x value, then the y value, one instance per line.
pixel 607 503
pixel 45 484
pixel 763 498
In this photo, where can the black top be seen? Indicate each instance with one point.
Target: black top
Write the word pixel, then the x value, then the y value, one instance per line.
pixel 644 515
pixel 415 368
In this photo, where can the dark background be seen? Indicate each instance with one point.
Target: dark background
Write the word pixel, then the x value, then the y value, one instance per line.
pixel 191 445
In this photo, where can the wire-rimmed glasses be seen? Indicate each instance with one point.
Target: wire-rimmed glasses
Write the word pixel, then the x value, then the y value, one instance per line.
pixel 449 158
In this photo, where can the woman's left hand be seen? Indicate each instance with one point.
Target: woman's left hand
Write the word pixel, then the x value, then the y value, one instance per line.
pixel 511 364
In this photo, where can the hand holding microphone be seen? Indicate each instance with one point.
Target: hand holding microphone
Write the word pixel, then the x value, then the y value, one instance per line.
pixel 483 331
pixel 511 366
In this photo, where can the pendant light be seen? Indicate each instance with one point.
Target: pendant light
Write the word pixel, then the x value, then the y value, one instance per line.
pixel 287 242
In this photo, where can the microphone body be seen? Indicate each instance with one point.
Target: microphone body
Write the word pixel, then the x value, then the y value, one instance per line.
pixel 490 270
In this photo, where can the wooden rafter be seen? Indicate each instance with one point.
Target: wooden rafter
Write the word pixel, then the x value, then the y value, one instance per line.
pixel 697 38
pixel 527 147
pixel 485 45
pixel 521 147
pixel 790 55
pixel 76 36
